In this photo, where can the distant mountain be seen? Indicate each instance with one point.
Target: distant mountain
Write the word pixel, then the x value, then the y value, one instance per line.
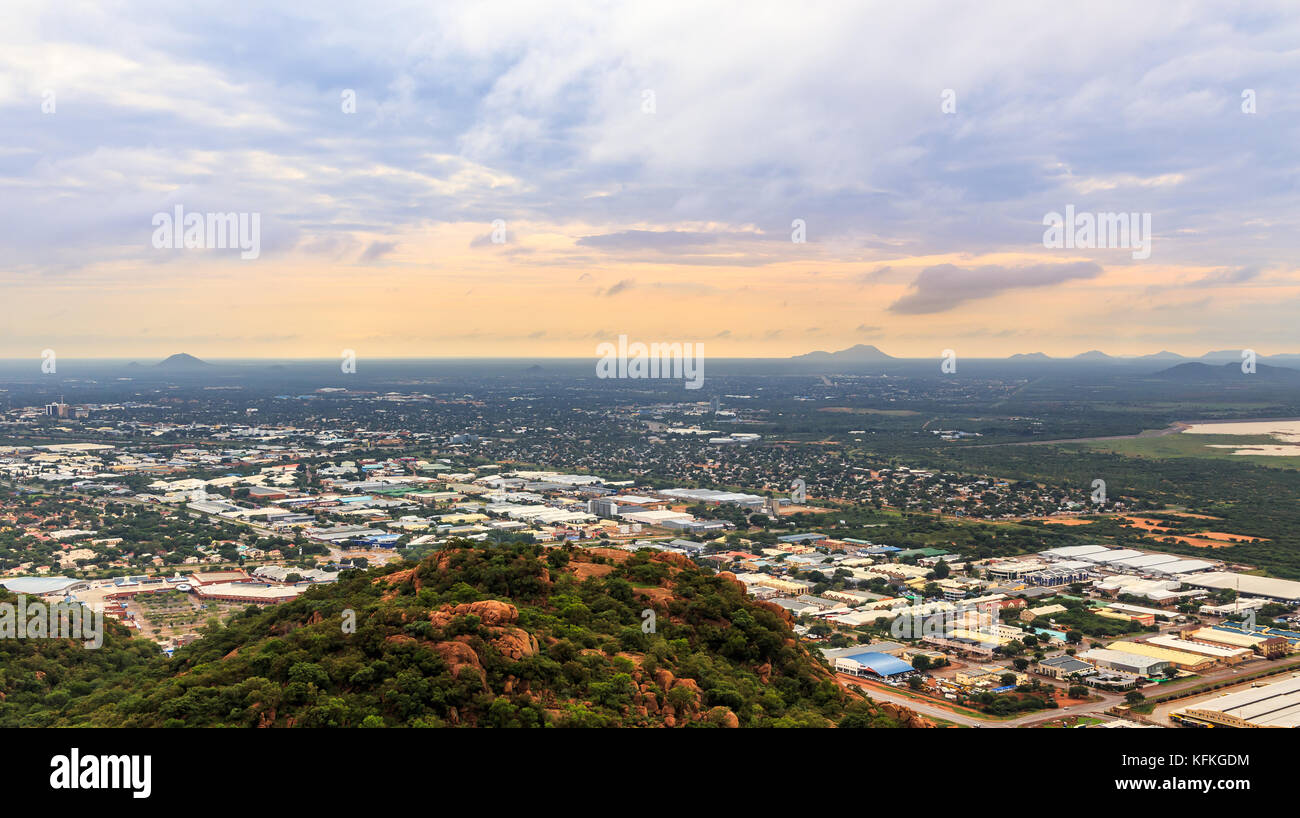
pixel 1094 355
pixel 854 354
pixel 181 360
pixel 1222 355
pixel 1197 371
pixel 1030 356
pixel 1162 355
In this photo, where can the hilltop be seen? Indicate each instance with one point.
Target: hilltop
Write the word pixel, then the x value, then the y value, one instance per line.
pixel 473 635
pixel 858 352
pixel 1231 371
pixel 181 360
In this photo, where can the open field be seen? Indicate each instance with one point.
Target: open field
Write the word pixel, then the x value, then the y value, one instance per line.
pixel 1217 447
pixel 857 410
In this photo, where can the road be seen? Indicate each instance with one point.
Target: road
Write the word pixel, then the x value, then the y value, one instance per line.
pixel 881 692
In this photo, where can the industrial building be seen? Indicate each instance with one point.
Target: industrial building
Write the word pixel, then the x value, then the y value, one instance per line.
pixel 1124 662
pixel 713 497
pixel 1179 659
pixel 1279 590
pixel 1063 667
pixel 1073 552
pixel 1142 561
pixel 872 663
pixel 39 586
pixel 1270 705
pixel 1232 637
pixel 1112 556
pixel 1225 655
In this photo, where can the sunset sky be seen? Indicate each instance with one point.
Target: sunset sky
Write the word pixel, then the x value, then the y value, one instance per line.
pixel 669 221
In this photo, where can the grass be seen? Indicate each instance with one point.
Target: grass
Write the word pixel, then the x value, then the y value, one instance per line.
pixel 1199 446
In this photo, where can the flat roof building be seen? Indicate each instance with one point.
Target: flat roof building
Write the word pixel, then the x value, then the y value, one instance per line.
pixel 1061 667
pixel 1071 552
pixel 1226 655
pixel 1125 662
pixel 1271 705
pixel 1179 659
pixel 1282 590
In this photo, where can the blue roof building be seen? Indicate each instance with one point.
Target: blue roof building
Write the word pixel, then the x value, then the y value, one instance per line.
pixel 872 663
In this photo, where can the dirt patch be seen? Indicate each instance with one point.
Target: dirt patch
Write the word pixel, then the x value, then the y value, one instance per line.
pixel 1145 525
pixel 663 595
pixel 1197 542
pixel 586 570
pixel 1232 538
pixel 615 555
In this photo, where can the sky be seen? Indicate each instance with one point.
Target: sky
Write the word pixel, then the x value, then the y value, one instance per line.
pixel 765 179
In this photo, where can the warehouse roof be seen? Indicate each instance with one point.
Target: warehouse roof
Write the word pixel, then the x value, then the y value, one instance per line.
pixel 1273 705
pixel 1123 657
pixel 1182 567
pixel 1074 551
pixel 881 664
pixel 40 585
pixel 1114 556
pixel 1069 664
pixel 1248 584
pixel 1173 657
pixel 1174 643
pixel 1225 636
pixel 1145 560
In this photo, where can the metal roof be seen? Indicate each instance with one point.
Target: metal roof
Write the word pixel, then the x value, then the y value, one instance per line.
pixel 882 664
pixel 39 585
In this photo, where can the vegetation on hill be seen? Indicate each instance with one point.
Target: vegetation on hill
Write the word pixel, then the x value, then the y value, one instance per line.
pixel 483 635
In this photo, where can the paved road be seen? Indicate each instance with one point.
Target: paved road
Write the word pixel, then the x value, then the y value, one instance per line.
pixel 930 710
pixel 1095 709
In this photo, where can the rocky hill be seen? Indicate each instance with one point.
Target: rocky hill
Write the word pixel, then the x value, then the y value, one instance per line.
pixel 475 635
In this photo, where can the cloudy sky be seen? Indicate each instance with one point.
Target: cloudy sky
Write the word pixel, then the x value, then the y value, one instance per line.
pixel 652 164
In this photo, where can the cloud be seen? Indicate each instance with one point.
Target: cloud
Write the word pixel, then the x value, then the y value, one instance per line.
pixel 871 276
pixel 468 112
pixel 377 250
pixel 620 287
pixel 648 240
pixel 945 286
pixel 1231 275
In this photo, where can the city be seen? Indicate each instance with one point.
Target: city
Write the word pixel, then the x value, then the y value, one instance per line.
pixel 594 365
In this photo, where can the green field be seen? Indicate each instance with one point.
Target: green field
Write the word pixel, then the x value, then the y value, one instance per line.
pixel 1184 445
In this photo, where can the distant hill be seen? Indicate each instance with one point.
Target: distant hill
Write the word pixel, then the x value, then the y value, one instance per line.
pixel 1030 356
pixel 1162 355
pixel 1222 355
pixel 181 360
pixel 854 354
pixel 1197 371
pixel 1094 355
